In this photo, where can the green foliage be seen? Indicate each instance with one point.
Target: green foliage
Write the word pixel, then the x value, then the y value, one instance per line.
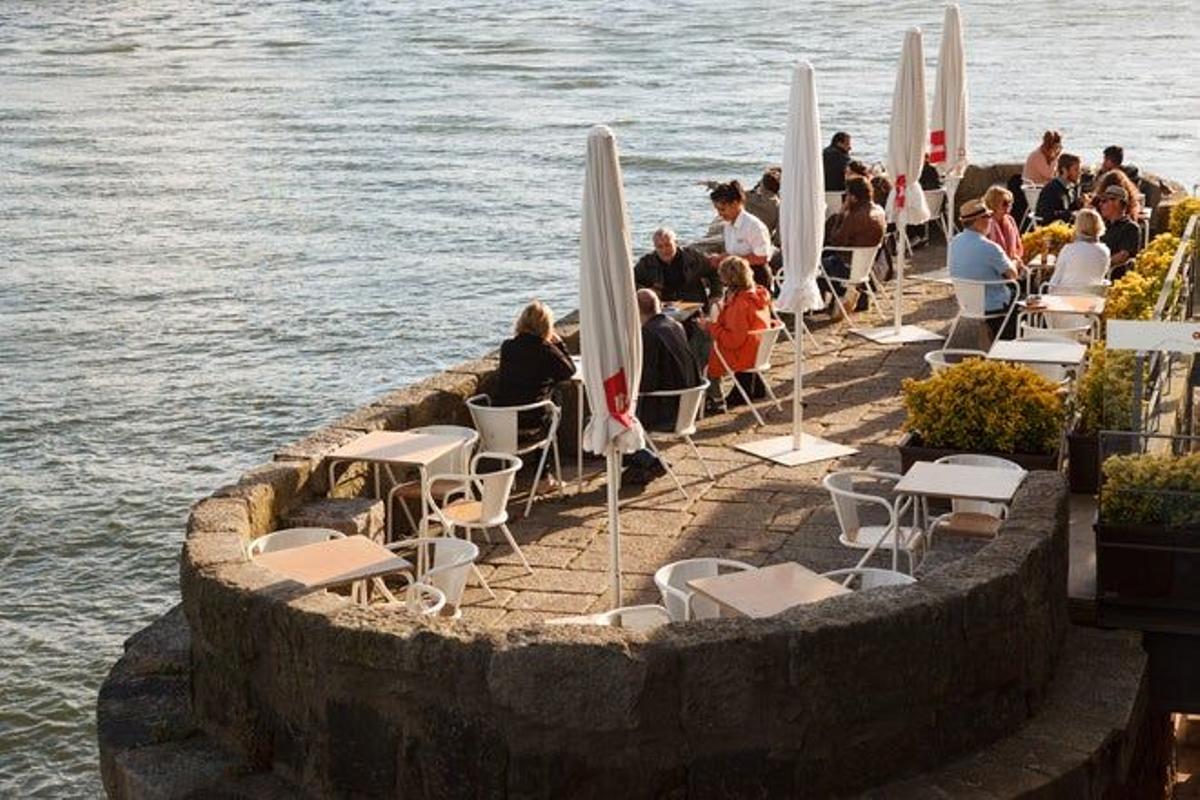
pixel 985 407
pixel 1105 395
pixel 1151 490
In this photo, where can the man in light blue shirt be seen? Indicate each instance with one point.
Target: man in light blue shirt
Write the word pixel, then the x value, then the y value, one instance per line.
pixel 974 257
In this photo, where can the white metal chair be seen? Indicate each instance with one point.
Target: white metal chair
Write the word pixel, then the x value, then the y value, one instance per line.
pixel 833 203
pixel 972 517
pixel 848 501
pixel 971 297
pixel 691 401
pixel 483 503
pixel 442 562
pixel 762 365
pixel 455 461
pixel 679 600
pixel 870 577
pixel 288 538
pixel 422 600
pixel 936 200
pixel 862 260
pixel 941 360
pixel 1031 221
pixel 499 429
pixel 634 618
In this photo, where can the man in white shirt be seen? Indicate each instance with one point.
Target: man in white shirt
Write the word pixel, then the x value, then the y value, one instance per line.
pixel 745 234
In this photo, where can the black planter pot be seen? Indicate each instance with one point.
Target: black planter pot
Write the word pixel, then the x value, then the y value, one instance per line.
pixel 1148 566
pixel 1083 462
pixel 912 450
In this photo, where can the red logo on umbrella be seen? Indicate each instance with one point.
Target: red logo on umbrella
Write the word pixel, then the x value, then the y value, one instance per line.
pixel 616 396
pixel 901 184
pixel 937 147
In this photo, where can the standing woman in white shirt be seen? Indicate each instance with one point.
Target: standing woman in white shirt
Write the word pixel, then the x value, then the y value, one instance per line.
pixel 1083 263
pixel 746 235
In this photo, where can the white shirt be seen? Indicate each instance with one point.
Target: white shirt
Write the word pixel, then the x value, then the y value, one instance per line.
pixel 1080 263
pixel 747 235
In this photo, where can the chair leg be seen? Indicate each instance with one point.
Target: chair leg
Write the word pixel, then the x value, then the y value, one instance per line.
pixel 667 467
pixel 482 582
pixel 696 452
pixel 874 298
pixel 770 392
pixel 537 479
pixel 516 549
pixel 950 334
pixel 749 403
pixel 562 492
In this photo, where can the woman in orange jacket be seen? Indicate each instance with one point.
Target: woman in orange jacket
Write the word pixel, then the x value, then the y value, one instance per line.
pixel 745 309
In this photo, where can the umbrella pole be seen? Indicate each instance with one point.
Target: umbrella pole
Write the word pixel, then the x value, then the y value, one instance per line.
pixel 797 406
pixel 951 190
pixel 901 247
pixel 613 459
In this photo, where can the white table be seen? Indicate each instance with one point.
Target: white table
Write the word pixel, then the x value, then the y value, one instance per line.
pixel 1089 304
pixel 1038 351
pixel 403 448
pixel 335 562
pixel 768 591
pixel 961 482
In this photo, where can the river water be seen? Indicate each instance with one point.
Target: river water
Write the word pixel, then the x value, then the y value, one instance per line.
pixel 224 223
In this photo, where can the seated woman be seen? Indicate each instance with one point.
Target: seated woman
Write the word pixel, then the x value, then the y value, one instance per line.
pixel 745 309
pixel 531 364
pixel 1003 228
pixel 1117 177
pixel 856 225
pixel 745 234
pixel 1042 164
pixel 1082 264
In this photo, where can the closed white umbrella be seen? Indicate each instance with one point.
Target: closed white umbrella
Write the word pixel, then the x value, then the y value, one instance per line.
pixel 801 229
pixel 948 150
pixel 610 331
pixel 906 157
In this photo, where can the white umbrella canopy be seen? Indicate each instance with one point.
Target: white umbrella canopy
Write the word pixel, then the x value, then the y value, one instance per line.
pixel 907 135
pixel 610 332
pixel 948 147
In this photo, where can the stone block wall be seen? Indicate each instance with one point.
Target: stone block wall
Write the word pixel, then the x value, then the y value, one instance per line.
pixel 349 701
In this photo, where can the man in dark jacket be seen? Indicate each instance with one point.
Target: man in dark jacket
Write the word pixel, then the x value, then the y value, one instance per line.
pixel 667 364
pixel 1059 199
pixel 835 157
pixel 676 273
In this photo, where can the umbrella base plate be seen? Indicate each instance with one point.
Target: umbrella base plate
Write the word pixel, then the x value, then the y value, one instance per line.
pixel 889 335
pixel 781 450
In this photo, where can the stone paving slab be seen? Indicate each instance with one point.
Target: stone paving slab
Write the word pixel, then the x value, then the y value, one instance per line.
pixel 754 511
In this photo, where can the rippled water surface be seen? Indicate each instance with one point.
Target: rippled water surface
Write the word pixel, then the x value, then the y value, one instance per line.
pixel 224 223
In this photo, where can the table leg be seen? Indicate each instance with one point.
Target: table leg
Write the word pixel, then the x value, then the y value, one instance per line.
pixel 579 437
pixel 424 524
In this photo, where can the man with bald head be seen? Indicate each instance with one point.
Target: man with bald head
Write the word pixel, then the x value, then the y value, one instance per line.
pixel 667 364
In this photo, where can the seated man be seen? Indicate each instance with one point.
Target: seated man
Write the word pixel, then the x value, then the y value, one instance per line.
pixel 763 202
pixel 680 274
pixel 974 257
pixel 1059 199
pixel 855 225
pixel 667 364
pixel 1122 235
pixel 835 157
pixel 1114 158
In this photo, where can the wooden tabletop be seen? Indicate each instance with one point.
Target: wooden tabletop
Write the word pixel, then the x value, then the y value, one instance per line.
pixel 1065 303
pixel 680 310
pixel 333 562
pixel 767 591
pixel 1038 351
pixel 404 447
pixel 961 481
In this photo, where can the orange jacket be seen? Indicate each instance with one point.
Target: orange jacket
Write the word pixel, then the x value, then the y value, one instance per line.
pixel 748 310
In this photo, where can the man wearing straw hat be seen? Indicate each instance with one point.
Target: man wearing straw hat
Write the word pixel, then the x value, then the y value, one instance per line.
pixel 974 257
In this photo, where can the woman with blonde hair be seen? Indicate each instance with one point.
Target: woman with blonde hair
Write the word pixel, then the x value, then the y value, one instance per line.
pixel 1083 264
pixel 1002 229
pixel 532 363
pixel 1042 164
pixel 745 309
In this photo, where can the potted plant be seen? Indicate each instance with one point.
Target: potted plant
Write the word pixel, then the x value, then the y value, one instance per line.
pixel 1148 531
pixel 1103 402
pixel 982 406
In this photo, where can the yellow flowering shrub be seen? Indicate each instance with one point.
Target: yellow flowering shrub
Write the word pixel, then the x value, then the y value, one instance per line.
pixel 985 406
pixel 1148 489
pixel 1105 394
pixel 1155 260
pixel 1047 239
pixel 1131 297
pixel 1180 214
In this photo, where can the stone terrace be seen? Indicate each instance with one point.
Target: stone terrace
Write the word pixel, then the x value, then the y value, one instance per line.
pixel 755 511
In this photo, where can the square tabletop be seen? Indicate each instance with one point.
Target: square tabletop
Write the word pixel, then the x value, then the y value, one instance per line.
pixel 680 310
pixel 767 591
pixel 1038 351
pixel 404 447
pixel 333 562
pixel 1065 303
pixel 961 481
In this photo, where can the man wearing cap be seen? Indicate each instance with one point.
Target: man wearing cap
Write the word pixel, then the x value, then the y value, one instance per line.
pixel 1121 234
pixel 974 257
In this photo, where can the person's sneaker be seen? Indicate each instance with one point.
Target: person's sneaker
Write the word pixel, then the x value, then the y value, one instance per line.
pixel 714 408
pixel 635 476
pixel 656 470
pixel 734 399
